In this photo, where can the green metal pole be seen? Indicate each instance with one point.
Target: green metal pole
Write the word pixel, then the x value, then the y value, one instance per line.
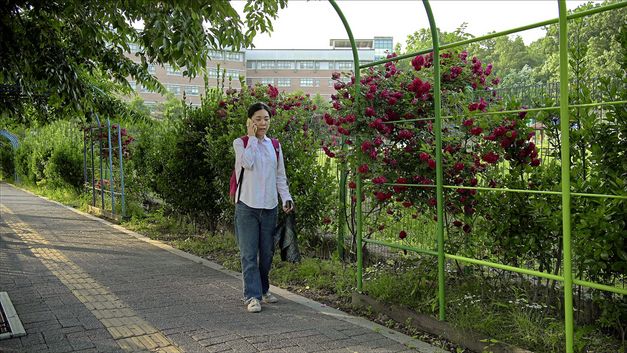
pixel 437 100
pixel 123 200
pixel 341 224
pixel 565 153
pixel 111 186
pixel 360 255
pixel 357 107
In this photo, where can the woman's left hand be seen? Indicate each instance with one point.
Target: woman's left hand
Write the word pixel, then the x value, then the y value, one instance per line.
pixel 288 207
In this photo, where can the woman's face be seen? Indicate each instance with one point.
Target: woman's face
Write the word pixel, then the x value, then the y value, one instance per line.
pixel 261 119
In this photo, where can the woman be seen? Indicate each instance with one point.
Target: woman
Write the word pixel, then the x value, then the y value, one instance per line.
pixel 260 172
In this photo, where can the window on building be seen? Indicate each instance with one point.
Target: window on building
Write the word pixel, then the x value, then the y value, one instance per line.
pixel 331 83
pixel 306 65
pixel 232 74
pixel 306 82
pixel 324 65
pixel 171 71
pixel 152 69
pixel 142 89
pixel 251 64
pixel 380 43
pixel 267 81
pixel 316 83
pixel 344 65
pixel 233 56
pixel 192 90
pixel 132 84
pixel 174 89
pixel 213 72
pixel 216 55
pixel 265 64
pixel 284 82
pixel 284 65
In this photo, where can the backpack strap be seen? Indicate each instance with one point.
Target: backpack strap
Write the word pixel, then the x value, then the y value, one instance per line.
pixel 277 147
pixel 241 173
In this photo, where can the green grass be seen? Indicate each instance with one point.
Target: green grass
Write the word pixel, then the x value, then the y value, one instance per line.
pixel 324 276
pixel 481 305
pixel 65 195
pixel 218 248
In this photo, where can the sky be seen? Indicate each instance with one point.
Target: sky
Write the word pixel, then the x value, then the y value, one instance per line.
pixel 310 24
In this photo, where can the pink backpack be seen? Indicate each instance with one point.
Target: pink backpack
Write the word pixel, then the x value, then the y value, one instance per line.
pixel 233 184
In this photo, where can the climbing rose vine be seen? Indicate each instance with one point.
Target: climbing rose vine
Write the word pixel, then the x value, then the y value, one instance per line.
pixel 391 136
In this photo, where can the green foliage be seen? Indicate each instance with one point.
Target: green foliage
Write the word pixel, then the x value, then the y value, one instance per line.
pixel 7 162
pixel 421 39
pixel 50 50
pixel 187 159
pixel 65 166
pixel 522 228
pixel 599 33
pixel 408 282
pixel 182 178
pixel 52 155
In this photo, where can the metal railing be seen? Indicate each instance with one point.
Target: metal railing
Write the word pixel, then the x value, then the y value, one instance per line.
pixel 565 193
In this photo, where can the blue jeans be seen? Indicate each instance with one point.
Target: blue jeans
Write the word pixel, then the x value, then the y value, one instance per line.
pixel 254 231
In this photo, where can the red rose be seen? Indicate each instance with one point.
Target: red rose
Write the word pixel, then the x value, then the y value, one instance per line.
pixel 476 130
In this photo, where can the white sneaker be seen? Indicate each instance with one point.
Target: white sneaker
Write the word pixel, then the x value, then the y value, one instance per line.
pixel 269 298
pixel 254 306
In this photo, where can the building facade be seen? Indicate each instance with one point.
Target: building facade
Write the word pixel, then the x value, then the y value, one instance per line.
pixel 290 70
pixel 230 64
pixel 308 71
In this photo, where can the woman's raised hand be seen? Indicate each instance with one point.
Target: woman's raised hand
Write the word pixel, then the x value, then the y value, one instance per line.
pixel 251 127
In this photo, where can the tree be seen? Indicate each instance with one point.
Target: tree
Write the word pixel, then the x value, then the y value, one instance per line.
pixel 594 39
pixel 421 39
pixel 51 48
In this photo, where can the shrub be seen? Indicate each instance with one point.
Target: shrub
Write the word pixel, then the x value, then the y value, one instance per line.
pixel 65 166
pixel 51 154
pixel 7 163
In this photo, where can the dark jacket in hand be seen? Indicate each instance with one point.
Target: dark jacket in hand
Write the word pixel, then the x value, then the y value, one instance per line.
pixel 285 239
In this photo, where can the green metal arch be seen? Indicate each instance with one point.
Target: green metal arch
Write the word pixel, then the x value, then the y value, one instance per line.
pixel 565 156
pixel 15 143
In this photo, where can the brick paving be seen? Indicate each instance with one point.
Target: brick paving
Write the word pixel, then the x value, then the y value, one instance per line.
pixel 80 284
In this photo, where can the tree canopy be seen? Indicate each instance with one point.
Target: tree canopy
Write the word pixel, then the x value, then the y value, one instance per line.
pixel 594 45
pixel 52 50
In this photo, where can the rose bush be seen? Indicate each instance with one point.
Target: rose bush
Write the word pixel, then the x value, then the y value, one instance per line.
pixel 393 140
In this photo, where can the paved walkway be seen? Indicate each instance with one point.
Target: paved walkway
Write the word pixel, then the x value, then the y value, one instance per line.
pixel 80 284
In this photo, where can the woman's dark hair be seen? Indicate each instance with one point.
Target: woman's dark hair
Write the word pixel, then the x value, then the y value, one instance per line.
pixel 257 107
